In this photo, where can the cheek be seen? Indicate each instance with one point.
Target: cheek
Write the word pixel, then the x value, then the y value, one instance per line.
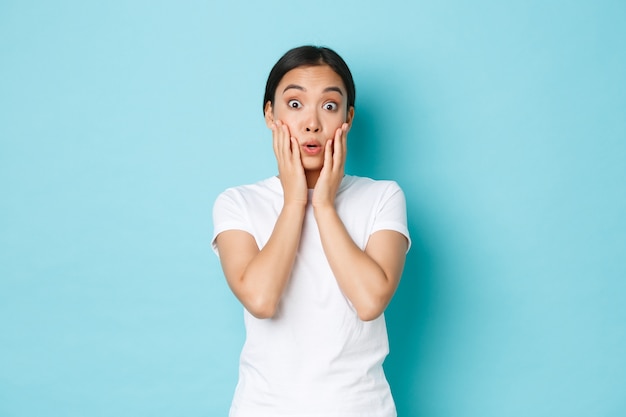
pixel 287 118
pixel 335 121
pixel 291 125
pixel 284 113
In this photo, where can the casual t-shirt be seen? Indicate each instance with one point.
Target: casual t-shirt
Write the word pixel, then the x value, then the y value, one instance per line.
pixel 315 357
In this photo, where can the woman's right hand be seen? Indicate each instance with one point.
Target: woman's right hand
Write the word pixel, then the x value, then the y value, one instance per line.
pixel 258 276
pixel 290 169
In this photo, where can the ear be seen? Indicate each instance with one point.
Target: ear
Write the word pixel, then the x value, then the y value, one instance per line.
pixel 269 114
pixel 350 117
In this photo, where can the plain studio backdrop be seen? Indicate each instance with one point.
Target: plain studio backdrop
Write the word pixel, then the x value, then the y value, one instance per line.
pixel 504 122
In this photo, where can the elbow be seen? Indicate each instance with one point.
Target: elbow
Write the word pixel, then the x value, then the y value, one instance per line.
pixel 369 315
pixel 372 306
pixel 262 308
pixel 370 312
pixel 262 313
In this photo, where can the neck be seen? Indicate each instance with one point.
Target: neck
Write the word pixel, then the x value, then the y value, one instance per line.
pixel 311 178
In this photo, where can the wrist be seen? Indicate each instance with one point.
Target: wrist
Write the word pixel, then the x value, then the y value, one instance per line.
pixel 324 209
pixel 294 205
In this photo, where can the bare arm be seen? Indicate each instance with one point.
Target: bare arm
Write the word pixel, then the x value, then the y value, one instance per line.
pixel 368 278
pixel 259 277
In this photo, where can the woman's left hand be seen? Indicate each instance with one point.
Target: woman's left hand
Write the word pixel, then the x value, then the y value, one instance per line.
pixel 333 170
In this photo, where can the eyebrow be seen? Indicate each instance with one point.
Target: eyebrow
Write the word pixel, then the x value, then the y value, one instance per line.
pixel 299 87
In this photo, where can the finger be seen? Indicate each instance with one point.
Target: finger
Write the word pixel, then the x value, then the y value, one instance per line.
pixel 295 150
pixel 282 141
pixel 275 139
pixel 345 128
pixel 278 140
pixel 339 149
pixel 285 140
pixel 328 155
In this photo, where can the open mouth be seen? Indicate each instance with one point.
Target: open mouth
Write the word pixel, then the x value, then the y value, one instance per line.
pixel 312 148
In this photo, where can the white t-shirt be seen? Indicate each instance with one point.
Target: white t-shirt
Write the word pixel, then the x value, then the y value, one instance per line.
pixel 315 357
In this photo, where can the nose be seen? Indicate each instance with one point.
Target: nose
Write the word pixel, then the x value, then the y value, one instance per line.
pixel 312 122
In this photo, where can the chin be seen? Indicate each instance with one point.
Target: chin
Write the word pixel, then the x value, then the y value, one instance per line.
pixel 311 169
pixel 313 165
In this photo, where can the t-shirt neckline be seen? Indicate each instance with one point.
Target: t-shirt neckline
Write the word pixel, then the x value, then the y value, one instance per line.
pixel 274 183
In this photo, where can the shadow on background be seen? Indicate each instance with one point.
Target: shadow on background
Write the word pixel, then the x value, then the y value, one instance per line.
pixel 380 125
pixel 407 323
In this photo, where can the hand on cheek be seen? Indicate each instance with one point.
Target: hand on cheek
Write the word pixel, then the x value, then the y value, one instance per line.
pixel 333 170
pixel 290 169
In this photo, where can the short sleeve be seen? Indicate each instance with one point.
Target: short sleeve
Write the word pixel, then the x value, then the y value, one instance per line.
pixel 391 214
pixel 228 214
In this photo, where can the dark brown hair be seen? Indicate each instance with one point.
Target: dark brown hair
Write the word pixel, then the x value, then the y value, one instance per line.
pixel 304 56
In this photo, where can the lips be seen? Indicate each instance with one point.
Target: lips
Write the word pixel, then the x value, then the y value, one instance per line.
pixel 311 147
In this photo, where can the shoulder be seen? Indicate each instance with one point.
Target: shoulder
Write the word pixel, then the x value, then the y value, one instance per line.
pixel 264 189
pixel 245 207
pixel 355 185
pixel 378 204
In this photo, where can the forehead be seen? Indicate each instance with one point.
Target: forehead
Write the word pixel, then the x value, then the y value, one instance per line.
pixel 312 78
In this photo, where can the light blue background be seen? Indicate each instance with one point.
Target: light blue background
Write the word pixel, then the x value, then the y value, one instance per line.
pixel 504 122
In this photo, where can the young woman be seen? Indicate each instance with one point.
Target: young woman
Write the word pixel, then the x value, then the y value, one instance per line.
pixel 313 255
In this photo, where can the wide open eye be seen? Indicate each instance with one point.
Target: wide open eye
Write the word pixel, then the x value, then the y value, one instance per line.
pixel 294 104
pixel 331 106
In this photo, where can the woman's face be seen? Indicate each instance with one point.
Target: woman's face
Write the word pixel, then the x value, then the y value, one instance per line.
pixel 312 102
